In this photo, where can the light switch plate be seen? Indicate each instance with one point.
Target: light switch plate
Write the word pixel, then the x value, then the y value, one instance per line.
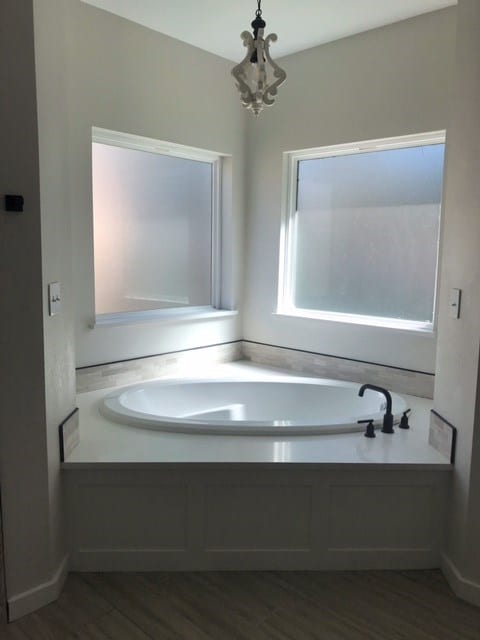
pixel 454 303
pixel 54 298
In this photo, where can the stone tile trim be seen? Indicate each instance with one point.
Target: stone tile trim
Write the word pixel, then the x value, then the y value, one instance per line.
pixel 306 363
pixel 132 371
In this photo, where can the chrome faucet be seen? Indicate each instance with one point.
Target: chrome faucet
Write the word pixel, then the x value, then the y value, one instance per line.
pixel 388 417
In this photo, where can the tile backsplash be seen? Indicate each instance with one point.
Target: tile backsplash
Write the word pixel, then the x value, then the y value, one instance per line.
pixel 304 363
pixel 132 371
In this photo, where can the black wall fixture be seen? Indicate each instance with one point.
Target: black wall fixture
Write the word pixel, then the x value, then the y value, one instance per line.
pixel 14 203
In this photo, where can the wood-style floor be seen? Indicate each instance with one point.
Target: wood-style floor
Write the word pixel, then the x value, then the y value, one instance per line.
pixel 376 605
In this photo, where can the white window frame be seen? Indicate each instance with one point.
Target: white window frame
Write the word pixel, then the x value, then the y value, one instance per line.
pixel 141 143
pixel 291 159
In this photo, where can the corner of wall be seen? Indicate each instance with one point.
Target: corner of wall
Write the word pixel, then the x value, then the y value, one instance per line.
pixel 463 587
pixel 39 596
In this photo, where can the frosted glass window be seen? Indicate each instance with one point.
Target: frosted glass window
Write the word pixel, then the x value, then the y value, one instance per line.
pixel 152 230
pixel 364 234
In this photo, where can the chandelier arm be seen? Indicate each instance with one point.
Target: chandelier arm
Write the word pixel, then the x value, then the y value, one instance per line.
pixel 262 74
pixel 238 71
pixel 278 72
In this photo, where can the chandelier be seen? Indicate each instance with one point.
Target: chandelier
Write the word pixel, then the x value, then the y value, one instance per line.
pixel 258 76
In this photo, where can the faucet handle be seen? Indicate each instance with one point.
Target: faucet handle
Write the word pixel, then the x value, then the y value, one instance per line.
pixel 404 420
pixel 370 430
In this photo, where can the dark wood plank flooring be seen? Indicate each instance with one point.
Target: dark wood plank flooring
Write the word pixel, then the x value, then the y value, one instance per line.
pixel 367 605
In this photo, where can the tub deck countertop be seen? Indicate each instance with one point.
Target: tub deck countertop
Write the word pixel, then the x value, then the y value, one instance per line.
pixel 107 444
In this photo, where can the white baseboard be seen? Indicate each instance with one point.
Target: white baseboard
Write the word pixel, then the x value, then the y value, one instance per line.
pixel 39 596
pixel 463 587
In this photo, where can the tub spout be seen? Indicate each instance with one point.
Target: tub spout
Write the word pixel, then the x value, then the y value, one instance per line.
pixel 388 417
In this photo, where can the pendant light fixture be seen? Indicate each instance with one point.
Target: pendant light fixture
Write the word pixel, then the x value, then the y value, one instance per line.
pixel 258 76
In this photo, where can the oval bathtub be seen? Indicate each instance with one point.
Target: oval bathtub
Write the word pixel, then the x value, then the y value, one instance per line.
pixel 234 407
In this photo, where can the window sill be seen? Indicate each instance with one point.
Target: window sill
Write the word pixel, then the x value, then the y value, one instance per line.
pixel 161 316
pixel 420 328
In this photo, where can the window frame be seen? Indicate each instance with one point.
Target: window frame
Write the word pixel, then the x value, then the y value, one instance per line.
pixel 151 145
pixel 291 160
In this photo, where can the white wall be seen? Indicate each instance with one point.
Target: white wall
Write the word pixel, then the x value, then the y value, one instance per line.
pixel 31 514
pixel 457 394
pixel 387 82
pixel 59 356
pixel 127 78
pixel 45 140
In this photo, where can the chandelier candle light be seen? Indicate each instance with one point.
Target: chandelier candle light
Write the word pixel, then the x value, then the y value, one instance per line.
pixel 258 76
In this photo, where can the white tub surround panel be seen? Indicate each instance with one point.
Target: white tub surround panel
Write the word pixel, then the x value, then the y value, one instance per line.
pixel 182 518
pixel 416 383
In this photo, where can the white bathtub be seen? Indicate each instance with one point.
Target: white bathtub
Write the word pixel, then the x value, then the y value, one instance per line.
pixel 239 407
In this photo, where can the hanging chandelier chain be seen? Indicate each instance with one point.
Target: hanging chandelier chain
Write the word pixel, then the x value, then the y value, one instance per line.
pixel 258 12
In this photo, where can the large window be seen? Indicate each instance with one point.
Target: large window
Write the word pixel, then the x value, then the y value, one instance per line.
pixel 361 231
pixel 156 225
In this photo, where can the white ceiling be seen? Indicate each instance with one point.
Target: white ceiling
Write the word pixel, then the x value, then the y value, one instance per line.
pixel 215 25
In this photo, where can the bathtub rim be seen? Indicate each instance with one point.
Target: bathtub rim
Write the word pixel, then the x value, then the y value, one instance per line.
pixel 109 407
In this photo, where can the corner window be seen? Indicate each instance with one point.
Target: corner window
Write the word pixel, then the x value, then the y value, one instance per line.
pixel 156 225
pixel 361 230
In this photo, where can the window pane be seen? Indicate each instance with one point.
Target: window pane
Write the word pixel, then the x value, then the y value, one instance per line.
pixel 366 233
pixel 152 230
